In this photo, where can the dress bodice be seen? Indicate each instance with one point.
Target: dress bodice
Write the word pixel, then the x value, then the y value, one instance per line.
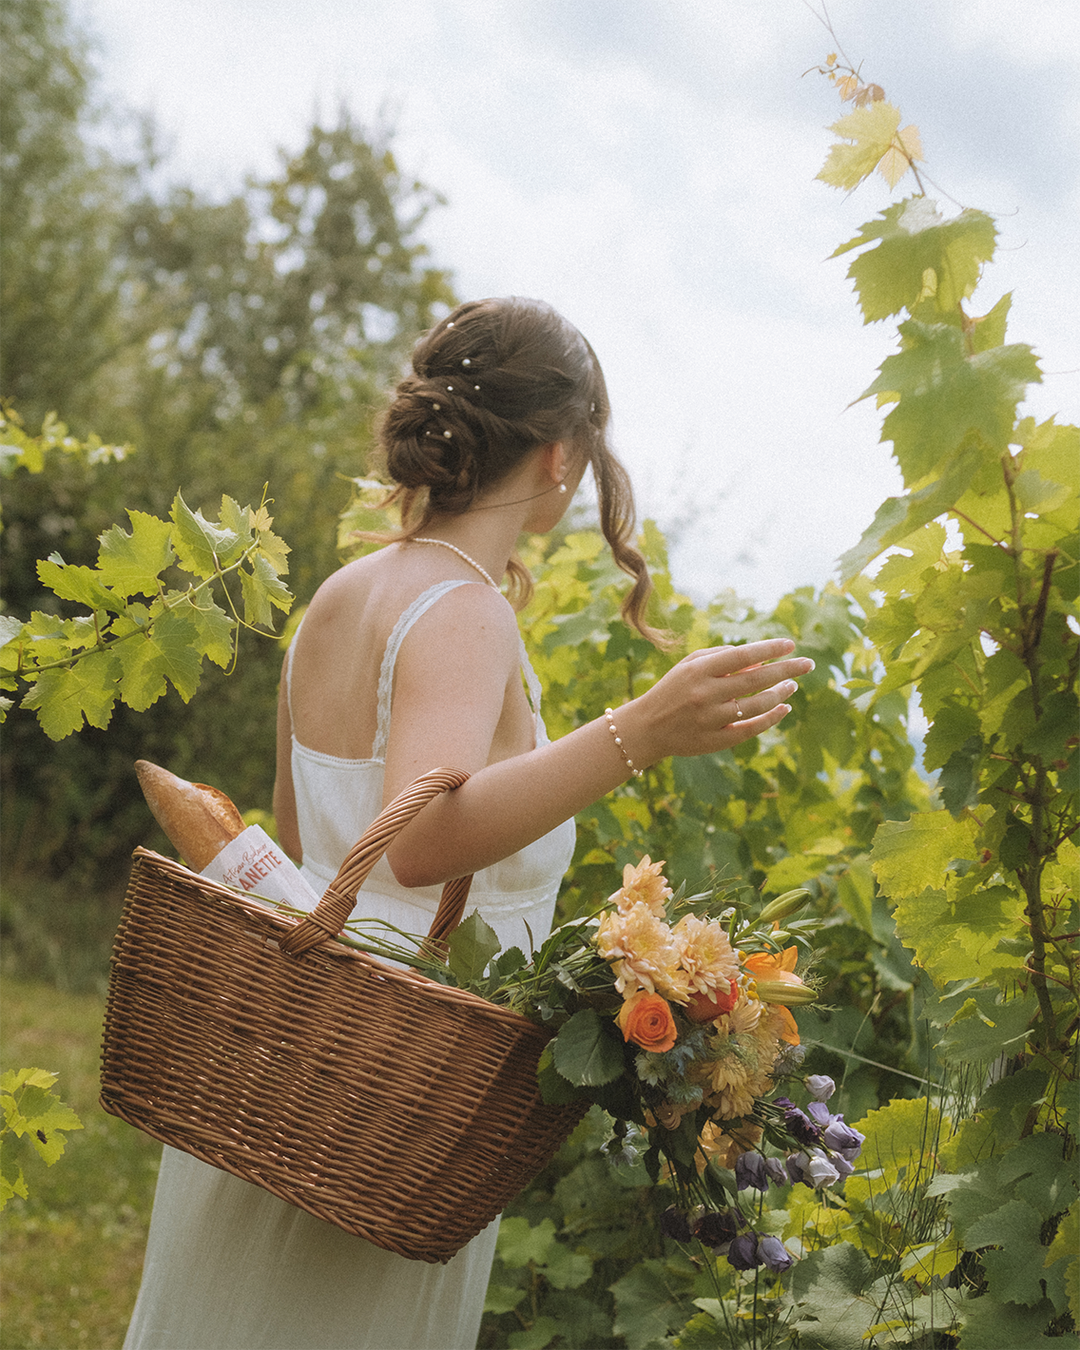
pixel 336 800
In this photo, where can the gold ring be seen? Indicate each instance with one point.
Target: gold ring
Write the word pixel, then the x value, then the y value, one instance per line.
pixel 739 714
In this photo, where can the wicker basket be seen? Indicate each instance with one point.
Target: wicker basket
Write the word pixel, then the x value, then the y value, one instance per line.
pixel 403 1111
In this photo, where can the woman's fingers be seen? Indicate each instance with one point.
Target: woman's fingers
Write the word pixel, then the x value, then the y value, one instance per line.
pixel 752 706
pixel 719 697
pixel 728 660
pixel 737 732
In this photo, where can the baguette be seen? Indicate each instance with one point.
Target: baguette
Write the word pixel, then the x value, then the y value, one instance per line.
pixel 198 819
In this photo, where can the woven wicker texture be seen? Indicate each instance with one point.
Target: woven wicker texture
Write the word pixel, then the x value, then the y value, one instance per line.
pixel 396 1108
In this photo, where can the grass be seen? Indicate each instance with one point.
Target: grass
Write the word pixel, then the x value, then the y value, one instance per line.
pixel 72 1251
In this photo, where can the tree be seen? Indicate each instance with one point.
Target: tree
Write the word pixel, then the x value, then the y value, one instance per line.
pixel 60 216
pixel 236 344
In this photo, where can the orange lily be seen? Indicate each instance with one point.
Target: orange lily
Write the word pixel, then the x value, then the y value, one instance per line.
pixel 776 983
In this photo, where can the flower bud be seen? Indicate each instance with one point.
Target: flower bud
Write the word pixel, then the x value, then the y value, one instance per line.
pixel 801 1128
pixel 843 1138
pixel 743 1252
pixel 674 1223
pixel 716 1227
pixel 776 1170
pixel 820 1170
pixel 780 991
pixel 750 1171
pixel 784 905
pixel 820 1086
pixel 774 1255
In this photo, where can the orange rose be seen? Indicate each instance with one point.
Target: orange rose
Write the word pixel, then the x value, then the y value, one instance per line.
pixel 713 1003
pixel 646 1020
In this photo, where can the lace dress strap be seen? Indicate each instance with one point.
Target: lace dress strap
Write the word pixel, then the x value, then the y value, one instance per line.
pixel 532 685
pixel 287 672
pixel 408 617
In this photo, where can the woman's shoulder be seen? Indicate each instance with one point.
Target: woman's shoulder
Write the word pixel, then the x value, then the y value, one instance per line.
pixel 376 591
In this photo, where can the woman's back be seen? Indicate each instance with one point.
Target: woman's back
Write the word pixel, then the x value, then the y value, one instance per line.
pixel 337 796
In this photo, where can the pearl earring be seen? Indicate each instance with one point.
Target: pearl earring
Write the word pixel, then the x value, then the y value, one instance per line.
pixel 562 489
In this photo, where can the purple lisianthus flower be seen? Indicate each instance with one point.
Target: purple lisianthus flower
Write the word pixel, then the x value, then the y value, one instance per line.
pixel 743 1252
pixel 750 1171
pixel 777 1171
pixel 717 1226
pixel 820 1086
pixel 674 1223
pixel 843 1138
pixel 820 1114
pixel 773 1254
pixel 801 1128
pixel 796 1167
pixel 842 1165
pixel 820 1170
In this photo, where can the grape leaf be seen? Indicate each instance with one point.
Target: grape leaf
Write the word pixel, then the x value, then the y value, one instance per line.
pixel 132 563
pixel 897 518
pixel 897 160
pixel 261 589
pixel 62 697
pixel 275 550
pixel 82 585
pixel 176 637
pixel 871 131
pixel 911 855
pixel 947 397
pixel 200 545
pixel 143 663
pixel 914 239
pixel 899 1138
pixel 214 628
pixel 988 330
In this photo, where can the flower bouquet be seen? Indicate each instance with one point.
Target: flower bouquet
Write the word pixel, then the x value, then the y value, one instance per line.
pixel 672 1014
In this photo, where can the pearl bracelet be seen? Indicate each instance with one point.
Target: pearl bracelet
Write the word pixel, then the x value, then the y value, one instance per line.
pixel 618 741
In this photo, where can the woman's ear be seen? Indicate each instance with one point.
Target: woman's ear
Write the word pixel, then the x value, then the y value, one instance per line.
pixel 555 460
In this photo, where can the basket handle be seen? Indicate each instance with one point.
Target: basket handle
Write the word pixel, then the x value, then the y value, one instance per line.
pixel 329 916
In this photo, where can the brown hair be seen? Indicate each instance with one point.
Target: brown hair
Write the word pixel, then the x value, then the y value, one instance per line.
pixel 491 382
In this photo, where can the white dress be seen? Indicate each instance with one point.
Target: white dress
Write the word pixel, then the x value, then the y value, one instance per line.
pixel 229 1266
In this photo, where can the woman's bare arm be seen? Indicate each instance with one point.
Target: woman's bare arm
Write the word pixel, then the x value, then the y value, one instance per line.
pixel 449 688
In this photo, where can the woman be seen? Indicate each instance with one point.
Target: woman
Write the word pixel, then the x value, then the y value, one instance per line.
pixel 407 660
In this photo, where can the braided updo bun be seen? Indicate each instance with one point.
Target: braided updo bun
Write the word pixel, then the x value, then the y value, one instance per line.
pixel 489 384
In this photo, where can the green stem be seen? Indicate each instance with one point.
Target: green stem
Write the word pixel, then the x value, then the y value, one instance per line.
pixel 106 643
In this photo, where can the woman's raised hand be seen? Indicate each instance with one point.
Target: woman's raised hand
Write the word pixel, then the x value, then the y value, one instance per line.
pixel 713 699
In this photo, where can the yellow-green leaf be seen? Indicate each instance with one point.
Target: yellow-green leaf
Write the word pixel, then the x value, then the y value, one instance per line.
pixel 912 855
pixel 870 131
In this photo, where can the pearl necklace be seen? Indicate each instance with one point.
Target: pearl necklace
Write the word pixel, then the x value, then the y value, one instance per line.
pixel 443 543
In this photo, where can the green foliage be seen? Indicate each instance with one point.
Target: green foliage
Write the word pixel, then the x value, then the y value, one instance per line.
pixel 60 301
pixel 73 1250
pixel 73 669
pixel 974 610
pixel 35 1122
pixel 959 1219
pixel 236 342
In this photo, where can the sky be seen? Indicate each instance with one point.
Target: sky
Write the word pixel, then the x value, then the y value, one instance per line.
pixel 648 167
